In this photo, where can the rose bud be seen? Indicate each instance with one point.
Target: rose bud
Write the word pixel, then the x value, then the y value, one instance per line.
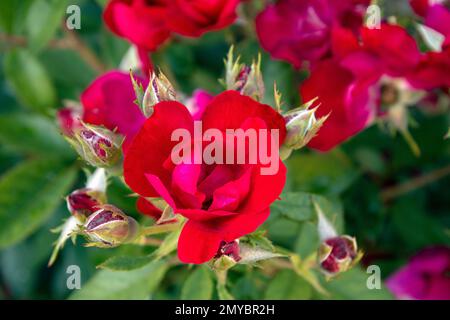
pixel 227 256
pixel 98 146
pixel 302 126
pixel 159 89
pixel 337 254
pixel 110 227
pixel 83 202
pixel 245 79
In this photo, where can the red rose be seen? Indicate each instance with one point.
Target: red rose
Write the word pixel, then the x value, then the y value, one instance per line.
pixel 222 202
pixel 195 17
pixel 351 86
pixel 141 22
pixel 299 31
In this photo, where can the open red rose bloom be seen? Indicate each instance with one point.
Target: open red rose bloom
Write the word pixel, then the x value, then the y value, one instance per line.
pixel 221 202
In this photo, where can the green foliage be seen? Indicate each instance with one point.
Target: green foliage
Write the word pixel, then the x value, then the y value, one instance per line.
pixel 286 285
pixel 43 20
pixel 352 285
pixel 29 194
pixel 198 285
pixel 122 263
pixel 136 284
pixel 29 80
pixel 37 170
pixel 32 134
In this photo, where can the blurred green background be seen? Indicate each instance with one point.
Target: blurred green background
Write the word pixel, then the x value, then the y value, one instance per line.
pixel 40 69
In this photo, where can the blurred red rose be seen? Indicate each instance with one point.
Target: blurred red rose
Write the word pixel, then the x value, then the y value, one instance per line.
pixel 195 17
pixel 142 22
pixel 425 277
pixel 222 202
pixel 299 31
pixel 354 84
pixel 436 14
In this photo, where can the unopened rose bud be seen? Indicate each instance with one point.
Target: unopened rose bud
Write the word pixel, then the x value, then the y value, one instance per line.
pixel 302 125
pixel 159 89
pixel 110 227
pixel 83 202
pixel 98 146
pixel 245 79
pixel 227 256
pixel 337 254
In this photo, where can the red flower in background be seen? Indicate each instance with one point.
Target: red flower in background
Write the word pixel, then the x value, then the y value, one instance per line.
pixel 109 102
pixel 299 31
pixel 351 85
pixel 222 202
pixel 425 277
pixel 195 17
pixel 436 15
pixel 148 24
pixel 141 22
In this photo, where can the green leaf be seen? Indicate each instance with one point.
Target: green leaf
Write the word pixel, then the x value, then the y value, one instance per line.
pixel 198 286
pixel 124 263
pixel 298 206
pixel 43 20
pixel 288 286
pixel 137 284
pixel 329 173
pixel 307 241
pixel 169 244
pixel 353 285
pixel 29 194
pixel 29 80
pixel 32 134
pixel 12 13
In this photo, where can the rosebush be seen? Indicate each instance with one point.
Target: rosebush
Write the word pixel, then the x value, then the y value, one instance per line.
pixel 356 100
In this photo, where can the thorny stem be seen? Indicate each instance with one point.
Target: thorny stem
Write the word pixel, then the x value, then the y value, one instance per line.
pixel 414 184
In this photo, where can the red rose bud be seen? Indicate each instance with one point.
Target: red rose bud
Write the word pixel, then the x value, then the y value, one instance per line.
pixel 302 126
pixel 159 89
pixel 110 227
pixel 337 254
pixel 83 202
pixel 98 146
pixel 227 256
pixel 245 79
